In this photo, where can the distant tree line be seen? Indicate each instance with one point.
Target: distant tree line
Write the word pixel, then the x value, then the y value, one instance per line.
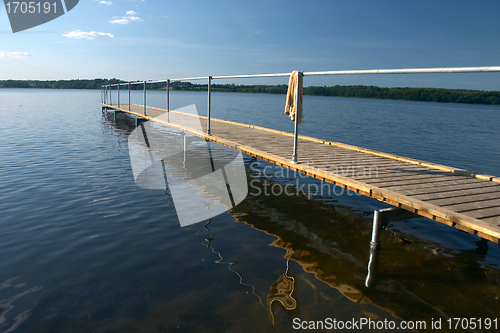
pixel 59 84
pixel 263 89
pixel 408 94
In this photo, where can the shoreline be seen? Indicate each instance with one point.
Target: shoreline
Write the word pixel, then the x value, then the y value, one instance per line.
pixel 438 95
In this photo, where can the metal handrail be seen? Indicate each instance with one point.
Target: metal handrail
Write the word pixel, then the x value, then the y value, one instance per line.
pixel 106 88
pixel 410 71
pixel 346 72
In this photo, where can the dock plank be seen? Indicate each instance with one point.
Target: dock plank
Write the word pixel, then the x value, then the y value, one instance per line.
pixel 475 205
pixel 492 219
pixel 458 193
pixel 466 199
pixel 395 174
pixel 437 186
pixel 485 213
pixel 396 179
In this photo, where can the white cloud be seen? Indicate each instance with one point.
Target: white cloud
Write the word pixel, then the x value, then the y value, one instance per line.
pixel 14 55
pixel 89 35
pixel 120 21
pixel 102 2
pixel 130 16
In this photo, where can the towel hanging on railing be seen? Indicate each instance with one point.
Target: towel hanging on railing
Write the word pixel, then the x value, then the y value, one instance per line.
pixel 291 97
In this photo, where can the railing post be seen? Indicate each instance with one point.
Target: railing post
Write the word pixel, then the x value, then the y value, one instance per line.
pixel 129 96
pixel 168 100
pixel 209 105
pixel 296 123
pixel 118 87
pixel 144 97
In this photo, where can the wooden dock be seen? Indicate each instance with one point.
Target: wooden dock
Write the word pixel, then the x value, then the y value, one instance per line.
pixel 469 202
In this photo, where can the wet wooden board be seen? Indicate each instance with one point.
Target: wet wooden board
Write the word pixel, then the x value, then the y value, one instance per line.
pixel 449 195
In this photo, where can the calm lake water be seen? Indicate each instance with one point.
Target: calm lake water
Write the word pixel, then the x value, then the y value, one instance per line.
pixel 84 249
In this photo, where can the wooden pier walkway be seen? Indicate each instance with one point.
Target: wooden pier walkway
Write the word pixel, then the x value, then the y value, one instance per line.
pixel 469 202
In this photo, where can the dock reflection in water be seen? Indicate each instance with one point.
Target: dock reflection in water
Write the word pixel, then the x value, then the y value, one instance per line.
pixel 330 239
pixel 416 280
pixel 283 292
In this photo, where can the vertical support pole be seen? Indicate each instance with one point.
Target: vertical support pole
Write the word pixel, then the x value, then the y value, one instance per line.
pixel 376 230
pixel 168 100
pixel 110 95
pixel 129 96
pixel 209 105
pixel 296 123
pixel 118 87
pixel 105 94
pixel 144 97
pixel 374 248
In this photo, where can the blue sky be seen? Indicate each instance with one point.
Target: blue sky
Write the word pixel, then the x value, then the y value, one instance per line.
pixel 153 39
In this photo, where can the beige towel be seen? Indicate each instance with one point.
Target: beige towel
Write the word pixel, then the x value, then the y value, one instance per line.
pixel 290 108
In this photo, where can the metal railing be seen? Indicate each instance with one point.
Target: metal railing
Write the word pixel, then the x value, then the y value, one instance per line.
pixel 107 89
